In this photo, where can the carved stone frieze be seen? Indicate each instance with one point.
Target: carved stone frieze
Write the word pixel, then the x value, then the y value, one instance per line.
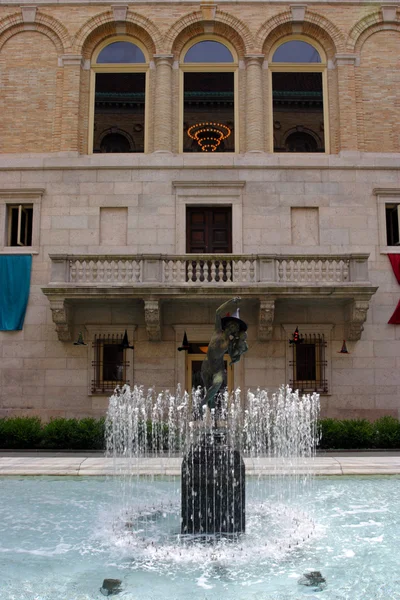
pixel 60 313
pixel 358 315
pixel 152 316
pixel 266 319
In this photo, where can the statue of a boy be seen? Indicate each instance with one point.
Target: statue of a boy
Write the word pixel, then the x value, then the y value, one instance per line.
pixel 229 337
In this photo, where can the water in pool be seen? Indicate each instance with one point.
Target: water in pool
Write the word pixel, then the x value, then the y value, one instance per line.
pixel 60 537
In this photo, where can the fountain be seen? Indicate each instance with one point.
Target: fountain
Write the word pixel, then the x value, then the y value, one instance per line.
pixel 211 436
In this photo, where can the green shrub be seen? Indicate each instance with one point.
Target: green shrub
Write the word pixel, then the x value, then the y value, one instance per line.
pixel 347 434
pixel 332 434
pixel 20 432
pixel 387 432
pixel 74 434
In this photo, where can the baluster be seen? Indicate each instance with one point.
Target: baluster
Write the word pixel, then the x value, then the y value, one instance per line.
pixel 310 270
pixel 174 270
pixel 190 271
pixel 220 271
pixel 228 271
pixel 205 271
pixel 166 264
pixel 338 270
pixel 182 271
pixel 281 270
pixel 72 270
pixel 323 269
pixel 198 271
pixel 138 265
pixel 346 270
pixel 80 270
pixel 116 270
pixel 122 270
pixel 213 270
pixel 302 270
pixel 101 270
pixel 129 270
pixel 236 270
pixel 331 270
pixel 252 270
pixel 108 270
pixel 293 270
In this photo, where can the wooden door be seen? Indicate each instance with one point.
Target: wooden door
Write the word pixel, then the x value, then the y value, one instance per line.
pixel 209 230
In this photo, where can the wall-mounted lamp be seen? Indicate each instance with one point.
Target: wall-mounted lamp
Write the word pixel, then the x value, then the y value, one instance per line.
pixel 343 349
pixel 80 341
pixel 185 344
pixel 125 342
pixel 296 338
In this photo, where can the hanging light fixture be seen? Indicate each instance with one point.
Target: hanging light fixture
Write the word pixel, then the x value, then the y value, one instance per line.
pixel 343 349
pixel 209 135
pixel 185 344
pixel 296 337
pixel 80 340
pixel 125 343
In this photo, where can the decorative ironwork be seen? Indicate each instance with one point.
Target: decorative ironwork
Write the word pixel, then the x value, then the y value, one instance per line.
pixel 109 365
pixel 308 364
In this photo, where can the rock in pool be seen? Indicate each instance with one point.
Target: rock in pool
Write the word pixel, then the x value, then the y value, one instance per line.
pixel 110 587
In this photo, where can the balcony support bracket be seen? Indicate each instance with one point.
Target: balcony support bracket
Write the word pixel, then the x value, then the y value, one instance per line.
pixel 152 317
pixel 357 316
pixel 61 318
pixel 266 319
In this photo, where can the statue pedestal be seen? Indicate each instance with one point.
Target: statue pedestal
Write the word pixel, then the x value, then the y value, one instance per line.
pixel 213 488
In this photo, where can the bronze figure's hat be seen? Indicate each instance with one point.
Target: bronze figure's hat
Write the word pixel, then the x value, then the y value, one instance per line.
pixel 236 319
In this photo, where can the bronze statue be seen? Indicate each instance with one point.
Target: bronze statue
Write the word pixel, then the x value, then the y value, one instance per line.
pixel 229 337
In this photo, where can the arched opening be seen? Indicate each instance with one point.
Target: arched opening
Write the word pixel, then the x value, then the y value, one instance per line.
pixel 209 97
pixel 298 84
pixel 119 70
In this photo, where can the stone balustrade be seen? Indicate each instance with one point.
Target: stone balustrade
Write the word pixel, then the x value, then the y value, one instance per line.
pixel 223 270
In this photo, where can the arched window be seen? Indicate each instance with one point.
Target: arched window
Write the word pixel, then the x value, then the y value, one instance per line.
pixel 209 72
pixel 299 97
pixel 118 124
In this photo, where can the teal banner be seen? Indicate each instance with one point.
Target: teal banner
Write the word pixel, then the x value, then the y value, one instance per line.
pixel 15 281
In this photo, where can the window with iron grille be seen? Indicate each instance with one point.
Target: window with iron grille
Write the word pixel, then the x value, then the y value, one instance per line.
pixel 109 365
pixel 308 364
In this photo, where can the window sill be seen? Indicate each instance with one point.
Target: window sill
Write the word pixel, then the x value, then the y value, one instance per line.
pixel 33 250
pixel 389 250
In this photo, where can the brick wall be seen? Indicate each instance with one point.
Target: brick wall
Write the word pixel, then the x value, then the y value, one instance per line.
pixel 363 99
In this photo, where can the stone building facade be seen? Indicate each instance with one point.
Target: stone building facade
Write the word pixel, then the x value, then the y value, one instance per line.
pixel 134 230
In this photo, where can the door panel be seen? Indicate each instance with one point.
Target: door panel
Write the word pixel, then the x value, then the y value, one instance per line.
pixel 209 230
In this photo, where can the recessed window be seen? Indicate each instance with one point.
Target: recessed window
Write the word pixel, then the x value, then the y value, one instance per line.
pixel 20 225
pixel 109 365
pixel 308 364
pixel 208 52
pixel 119 99
pixel 121 52
pixel 298 96
pixel 209 73
pixel 296 51
pixel 392 224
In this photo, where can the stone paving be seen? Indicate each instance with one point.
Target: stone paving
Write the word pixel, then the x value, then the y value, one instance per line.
pixel 80 464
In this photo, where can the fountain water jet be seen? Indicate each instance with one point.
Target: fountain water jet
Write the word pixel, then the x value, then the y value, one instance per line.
pixel 275 434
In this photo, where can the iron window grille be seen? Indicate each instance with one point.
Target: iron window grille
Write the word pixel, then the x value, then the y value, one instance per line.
pixel 308 364
pixel 110 366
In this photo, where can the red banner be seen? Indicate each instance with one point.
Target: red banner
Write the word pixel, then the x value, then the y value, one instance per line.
pixel 395 261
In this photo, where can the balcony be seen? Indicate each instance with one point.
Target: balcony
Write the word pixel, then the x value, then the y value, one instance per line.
pixel 153 277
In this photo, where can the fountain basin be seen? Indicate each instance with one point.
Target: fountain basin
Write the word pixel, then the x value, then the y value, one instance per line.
pixel 61 537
